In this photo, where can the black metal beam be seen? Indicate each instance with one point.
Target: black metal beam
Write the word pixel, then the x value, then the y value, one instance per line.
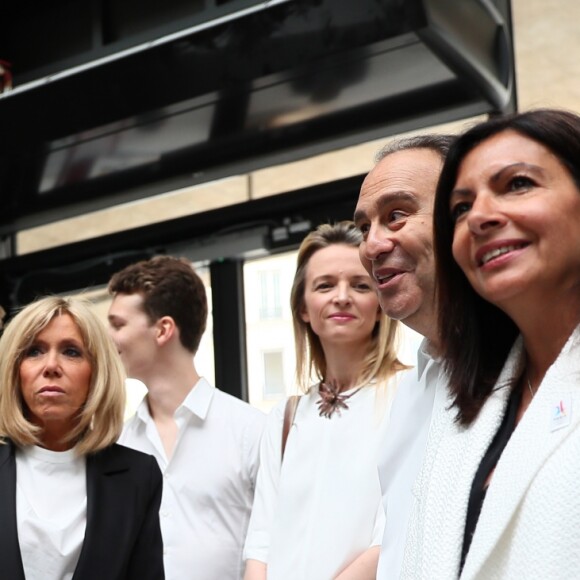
pixel 282 79
pixel 229 327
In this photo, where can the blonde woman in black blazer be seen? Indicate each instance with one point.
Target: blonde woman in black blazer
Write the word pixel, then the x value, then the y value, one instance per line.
pixel 61 411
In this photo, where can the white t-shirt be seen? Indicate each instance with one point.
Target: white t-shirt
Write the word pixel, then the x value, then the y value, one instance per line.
pixel 51 511
pixel 208 485
pixel 321 509
pixel 421 390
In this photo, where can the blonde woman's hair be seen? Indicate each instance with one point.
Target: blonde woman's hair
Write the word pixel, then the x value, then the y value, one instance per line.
pixel 101 419
pixel 381 361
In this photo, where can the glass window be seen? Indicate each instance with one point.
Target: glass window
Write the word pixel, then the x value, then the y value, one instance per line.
pixel 273 374
pixel 269 335
pixel 270 306
pixel 204 358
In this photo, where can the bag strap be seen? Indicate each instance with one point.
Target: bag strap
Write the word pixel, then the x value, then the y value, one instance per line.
pixel 289 415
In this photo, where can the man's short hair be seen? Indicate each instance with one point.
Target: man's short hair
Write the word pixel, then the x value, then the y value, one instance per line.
pixel 439 143
pixel 169 287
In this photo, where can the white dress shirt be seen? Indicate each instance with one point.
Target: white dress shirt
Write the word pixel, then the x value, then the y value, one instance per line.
pixel 321 509
pixel 51 511
pixel 208 485
pixel 421 390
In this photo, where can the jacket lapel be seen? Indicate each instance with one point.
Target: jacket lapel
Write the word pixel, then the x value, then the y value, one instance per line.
pixel 106 493
pixel 10 557
pixel 550 419
pixel 466 447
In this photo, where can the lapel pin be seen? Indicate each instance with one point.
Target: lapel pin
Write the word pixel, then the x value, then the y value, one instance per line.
pixel 560 413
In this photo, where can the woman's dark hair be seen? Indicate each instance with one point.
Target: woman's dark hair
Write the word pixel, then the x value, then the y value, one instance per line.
pixel 475 335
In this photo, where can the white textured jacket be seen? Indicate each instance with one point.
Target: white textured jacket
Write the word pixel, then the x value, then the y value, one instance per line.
pixel 529 527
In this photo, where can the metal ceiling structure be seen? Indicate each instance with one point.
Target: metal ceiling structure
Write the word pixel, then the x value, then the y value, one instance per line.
pixel 242 85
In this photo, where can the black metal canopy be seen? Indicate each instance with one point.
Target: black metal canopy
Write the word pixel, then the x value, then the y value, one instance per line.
pixel 227 86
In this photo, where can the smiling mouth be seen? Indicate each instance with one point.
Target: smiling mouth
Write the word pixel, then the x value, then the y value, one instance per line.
pixel 499 252
pixel 386 278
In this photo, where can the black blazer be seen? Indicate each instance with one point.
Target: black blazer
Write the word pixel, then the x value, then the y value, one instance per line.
pixel 122 537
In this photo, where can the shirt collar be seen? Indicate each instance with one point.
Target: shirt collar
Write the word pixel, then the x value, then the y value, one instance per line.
pixel 423 357
pixel 197 402
pixel 199 399
pixel 143 411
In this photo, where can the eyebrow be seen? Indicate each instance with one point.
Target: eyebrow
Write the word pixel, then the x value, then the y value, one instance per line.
pixel 463 192
pixel 325 277
pixel 519 165
pixel 66 341
pixel 387 199
pixel 72 342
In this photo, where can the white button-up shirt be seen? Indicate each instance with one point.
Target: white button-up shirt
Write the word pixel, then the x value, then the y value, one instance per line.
pixel 208 485
pixel 421 391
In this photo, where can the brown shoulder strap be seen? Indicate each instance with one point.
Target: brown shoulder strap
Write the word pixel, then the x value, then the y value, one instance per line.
pixel 289 414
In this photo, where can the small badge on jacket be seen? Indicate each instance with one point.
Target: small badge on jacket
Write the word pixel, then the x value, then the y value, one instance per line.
pixel 560 413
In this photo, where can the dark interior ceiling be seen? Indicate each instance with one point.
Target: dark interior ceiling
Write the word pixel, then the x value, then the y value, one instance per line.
pixel 119 99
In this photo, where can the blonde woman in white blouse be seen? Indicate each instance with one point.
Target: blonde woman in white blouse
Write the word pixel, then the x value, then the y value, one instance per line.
pixel 317 514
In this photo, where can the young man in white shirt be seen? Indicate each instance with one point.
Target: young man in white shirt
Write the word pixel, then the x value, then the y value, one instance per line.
pixel 205 441
pixel 394 213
